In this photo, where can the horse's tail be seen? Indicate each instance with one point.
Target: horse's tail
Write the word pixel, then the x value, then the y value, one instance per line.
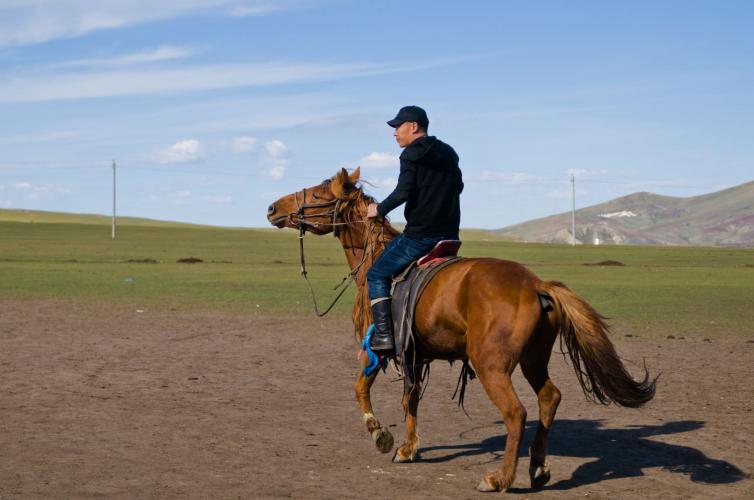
pixel 600 371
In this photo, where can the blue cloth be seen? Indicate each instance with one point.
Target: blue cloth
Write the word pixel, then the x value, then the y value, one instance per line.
pixel 398 254
pixel 374 360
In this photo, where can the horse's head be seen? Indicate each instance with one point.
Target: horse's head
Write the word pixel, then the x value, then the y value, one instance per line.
pixel 319 207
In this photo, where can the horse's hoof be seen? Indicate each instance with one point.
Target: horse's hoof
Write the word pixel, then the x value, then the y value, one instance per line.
pixel 400 458
pixel 539 475
pixel 383 440
pixel 485 486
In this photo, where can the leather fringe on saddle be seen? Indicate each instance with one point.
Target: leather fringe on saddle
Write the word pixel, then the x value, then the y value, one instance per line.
pixel 467 372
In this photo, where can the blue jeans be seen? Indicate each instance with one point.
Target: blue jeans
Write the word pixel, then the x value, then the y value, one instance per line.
pixel 398 254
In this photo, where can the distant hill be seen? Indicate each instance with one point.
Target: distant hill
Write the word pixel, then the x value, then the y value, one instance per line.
pixel 40 216
pixel 722 218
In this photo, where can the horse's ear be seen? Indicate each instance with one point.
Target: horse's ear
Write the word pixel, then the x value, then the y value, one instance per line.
pixel 354 177
pixel 340 184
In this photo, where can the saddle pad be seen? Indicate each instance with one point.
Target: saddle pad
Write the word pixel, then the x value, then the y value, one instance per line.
pixel 406 293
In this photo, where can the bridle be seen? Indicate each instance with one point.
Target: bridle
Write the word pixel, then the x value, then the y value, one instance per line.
pixel 302 224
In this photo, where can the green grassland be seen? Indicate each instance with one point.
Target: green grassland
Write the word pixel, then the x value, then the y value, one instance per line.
pixel 689 291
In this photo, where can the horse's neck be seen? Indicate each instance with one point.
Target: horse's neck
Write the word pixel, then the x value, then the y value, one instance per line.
pixel 356 243
pixel 363 243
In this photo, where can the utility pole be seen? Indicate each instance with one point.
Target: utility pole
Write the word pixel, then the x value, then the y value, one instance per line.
pixel 113 199
pixel 573 210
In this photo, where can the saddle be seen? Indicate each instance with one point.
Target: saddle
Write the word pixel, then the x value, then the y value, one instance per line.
pixel 407 288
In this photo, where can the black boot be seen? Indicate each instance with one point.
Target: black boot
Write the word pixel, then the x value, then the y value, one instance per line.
pixel 382 338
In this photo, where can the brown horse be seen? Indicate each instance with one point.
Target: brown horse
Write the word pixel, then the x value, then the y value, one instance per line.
pixel 482 310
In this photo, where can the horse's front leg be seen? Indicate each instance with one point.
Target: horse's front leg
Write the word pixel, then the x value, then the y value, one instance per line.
pixel 381 436
pixel 411 395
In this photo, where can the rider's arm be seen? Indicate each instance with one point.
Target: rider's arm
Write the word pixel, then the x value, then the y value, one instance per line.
pixel 406 185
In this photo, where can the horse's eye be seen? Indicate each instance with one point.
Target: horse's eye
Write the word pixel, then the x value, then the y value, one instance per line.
pixel 314 195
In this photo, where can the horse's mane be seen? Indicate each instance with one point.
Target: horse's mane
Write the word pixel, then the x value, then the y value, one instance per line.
pixel 353 206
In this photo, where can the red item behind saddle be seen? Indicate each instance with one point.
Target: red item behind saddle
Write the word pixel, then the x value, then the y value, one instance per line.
pixel 444 248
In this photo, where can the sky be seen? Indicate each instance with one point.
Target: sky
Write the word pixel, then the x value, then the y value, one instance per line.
pixel 212 109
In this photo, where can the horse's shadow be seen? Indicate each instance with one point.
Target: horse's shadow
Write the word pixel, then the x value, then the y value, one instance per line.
pixel 617 453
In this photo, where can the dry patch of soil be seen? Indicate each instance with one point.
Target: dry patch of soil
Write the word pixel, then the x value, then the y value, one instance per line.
pixel 109 401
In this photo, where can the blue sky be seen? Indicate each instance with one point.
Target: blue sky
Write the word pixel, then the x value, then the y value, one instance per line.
pixel 214 108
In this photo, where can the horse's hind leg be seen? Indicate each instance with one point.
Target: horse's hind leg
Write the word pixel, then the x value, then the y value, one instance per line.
pixel 534 366
pixel 411 395
pixel 381 436
pixel 497 384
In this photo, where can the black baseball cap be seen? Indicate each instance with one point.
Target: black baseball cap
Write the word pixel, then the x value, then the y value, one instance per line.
pixel 410 114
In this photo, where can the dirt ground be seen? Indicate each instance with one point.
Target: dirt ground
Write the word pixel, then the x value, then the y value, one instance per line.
pixel 115 401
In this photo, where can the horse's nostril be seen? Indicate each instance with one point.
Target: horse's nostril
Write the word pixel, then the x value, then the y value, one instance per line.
pixel 271 209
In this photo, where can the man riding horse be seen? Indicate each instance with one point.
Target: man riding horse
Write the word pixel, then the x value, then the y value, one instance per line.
pixel 483 311
pixel 430 185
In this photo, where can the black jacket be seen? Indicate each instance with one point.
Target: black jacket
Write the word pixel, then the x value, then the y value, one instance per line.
pixel 430 184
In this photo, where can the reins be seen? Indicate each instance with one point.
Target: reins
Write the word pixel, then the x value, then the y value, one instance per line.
pixel 302 224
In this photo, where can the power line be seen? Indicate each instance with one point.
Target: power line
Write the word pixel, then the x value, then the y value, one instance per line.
pixel 484 179
pixel 215 172
pixel 573 211
pixel 172 170
pixel 550 182
pixel 113 199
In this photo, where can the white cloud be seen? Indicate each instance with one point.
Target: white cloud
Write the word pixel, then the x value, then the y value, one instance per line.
pixel 32 192
pixel 163 53
pixel 258 9
pixel 379 161
pixel 275 173
pixel 6 203
pixel 382 182
pixel 243 144
pixel 38 191
pixel 46 86
pixel 508 177
pixel 276 149
pixel 223 200
pixel 179 197
pixel 24 22
pixel 186 151
pixel 275 154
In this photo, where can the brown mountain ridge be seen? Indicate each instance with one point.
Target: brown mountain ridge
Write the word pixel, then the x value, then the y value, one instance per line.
pixel 721 218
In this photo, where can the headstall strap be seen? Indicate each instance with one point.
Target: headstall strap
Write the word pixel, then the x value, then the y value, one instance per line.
pixel 301 227
pixel 302 224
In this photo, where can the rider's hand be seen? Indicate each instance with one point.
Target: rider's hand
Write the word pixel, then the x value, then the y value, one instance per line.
pixel 372 211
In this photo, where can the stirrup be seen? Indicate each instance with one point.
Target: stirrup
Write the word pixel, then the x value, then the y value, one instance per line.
pixel 383 346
